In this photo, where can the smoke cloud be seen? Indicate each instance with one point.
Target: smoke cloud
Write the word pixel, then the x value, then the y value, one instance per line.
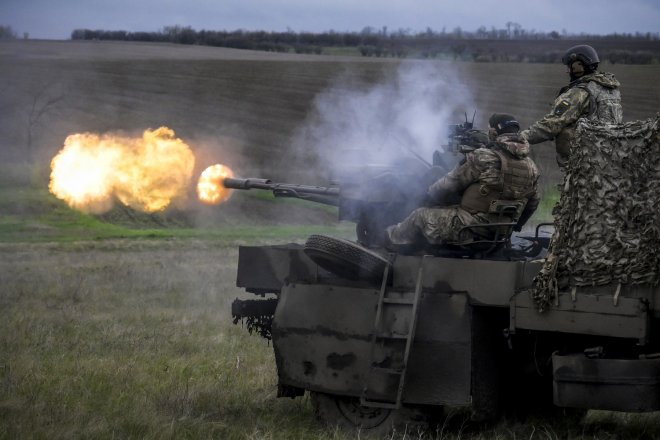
pixel 408 114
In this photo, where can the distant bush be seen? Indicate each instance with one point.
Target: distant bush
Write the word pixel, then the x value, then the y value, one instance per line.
pixel 367 51
pixel 7 33
pixel 546 57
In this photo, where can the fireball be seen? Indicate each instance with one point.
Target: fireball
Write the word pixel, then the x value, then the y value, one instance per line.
pixel 147 173
pixel 210 188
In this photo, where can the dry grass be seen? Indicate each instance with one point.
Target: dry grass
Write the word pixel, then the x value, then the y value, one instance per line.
pixel 128 339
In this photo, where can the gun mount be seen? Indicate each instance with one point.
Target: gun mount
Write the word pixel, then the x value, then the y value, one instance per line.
pixel 372 197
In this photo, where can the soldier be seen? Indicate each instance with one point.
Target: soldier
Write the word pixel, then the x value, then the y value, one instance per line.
pixel 589 94
pixel 502 171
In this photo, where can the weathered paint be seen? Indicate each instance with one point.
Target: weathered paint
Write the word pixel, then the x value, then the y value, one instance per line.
pixel 602 314
pixel 322 341
pixel 323 325
pixel 608 384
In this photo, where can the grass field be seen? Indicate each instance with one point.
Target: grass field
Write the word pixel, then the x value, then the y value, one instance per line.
pixel 118 326
pixel 133 339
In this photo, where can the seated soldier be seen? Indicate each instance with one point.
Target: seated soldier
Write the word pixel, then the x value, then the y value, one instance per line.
pixel 499 172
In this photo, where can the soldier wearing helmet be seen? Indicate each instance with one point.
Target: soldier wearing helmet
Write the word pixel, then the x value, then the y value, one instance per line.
pixel 590 94
pixel 498 171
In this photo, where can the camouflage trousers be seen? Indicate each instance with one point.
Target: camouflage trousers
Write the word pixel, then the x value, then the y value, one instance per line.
pixel 435 225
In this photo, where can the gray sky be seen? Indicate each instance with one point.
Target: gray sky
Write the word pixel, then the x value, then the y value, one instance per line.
pixel 55 19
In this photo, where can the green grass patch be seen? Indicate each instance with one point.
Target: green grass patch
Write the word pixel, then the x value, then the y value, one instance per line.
pixel 342 51
pixel 31 214
pixel 66 225
pixel 549 198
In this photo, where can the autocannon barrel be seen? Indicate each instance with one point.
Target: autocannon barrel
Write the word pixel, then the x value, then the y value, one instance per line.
pixel 232 183
pixel 318 194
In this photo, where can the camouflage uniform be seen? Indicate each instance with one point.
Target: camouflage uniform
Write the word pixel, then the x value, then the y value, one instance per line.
pixel 503 172
pixel 594 96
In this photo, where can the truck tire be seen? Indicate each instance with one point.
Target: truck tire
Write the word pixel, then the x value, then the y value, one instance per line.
pixel 347 414
pixel 345 258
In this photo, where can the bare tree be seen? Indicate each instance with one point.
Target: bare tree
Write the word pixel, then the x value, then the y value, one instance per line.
pixel 7 33
pixel 42 101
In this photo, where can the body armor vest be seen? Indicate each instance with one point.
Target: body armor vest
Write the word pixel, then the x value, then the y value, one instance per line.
pixel 516 183
pixel 604 107
pixel 604 103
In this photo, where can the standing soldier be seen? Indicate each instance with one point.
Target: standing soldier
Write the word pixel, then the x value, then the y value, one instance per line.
pixel 590 94
pixel 501 172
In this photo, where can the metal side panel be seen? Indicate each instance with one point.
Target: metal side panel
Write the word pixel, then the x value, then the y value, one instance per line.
pixel 321 336
pixel 486 282
pixel 322 342
pixel 608 384
pixel 268 268
pixel 588 314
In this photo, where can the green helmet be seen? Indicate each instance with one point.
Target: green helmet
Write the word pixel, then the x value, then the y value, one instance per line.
pixel 504 123
pixel 582 52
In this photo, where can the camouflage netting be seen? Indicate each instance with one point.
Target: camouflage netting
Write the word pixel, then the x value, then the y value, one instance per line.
pixel 607 221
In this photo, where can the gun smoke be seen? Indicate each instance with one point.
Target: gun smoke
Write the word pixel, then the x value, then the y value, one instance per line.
pixel 406 116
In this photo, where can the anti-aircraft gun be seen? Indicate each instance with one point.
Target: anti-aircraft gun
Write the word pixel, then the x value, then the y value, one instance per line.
pixel 380 339
pixel 373 197
pixel 376 196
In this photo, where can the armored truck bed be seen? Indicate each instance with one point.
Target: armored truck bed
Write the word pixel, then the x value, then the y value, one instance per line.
pixel 348 337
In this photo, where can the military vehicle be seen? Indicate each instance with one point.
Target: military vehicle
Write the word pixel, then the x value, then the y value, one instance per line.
pixel 381 338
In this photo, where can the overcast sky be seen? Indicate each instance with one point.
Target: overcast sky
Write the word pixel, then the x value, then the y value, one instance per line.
pixel 55 19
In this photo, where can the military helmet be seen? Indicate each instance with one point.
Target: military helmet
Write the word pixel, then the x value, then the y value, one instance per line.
pixel 582 52
pixel 504 123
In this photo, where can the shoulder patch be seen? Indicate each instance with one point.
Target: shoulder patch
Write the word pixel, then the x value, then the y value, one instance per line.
pixel 561 108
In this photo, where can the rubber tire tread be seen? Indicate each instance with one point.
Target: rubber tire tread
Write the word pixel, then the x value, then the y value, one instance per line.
pixel 345 258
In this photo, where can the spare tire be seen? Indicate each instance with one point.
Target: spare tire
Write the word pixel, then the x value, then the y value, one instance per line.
pixel 345 258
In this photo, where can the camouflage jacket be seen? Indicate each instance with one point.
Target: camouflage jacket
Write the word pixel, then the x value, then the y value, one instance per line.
pixel 482 172
pixel 595 96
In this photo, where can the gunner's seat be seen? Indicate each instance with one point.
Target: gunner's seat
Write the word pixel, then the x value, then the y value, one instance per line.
pixel 480 240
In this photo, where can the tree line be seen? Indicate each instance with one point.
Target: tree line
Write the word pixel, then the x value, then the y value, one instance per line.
pixel 483 45
pixel 512 43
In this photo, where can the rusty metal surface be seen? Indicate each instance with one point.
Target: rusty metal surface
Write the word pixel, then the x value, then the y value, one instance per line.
pixel 322 334
pixel 608 384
